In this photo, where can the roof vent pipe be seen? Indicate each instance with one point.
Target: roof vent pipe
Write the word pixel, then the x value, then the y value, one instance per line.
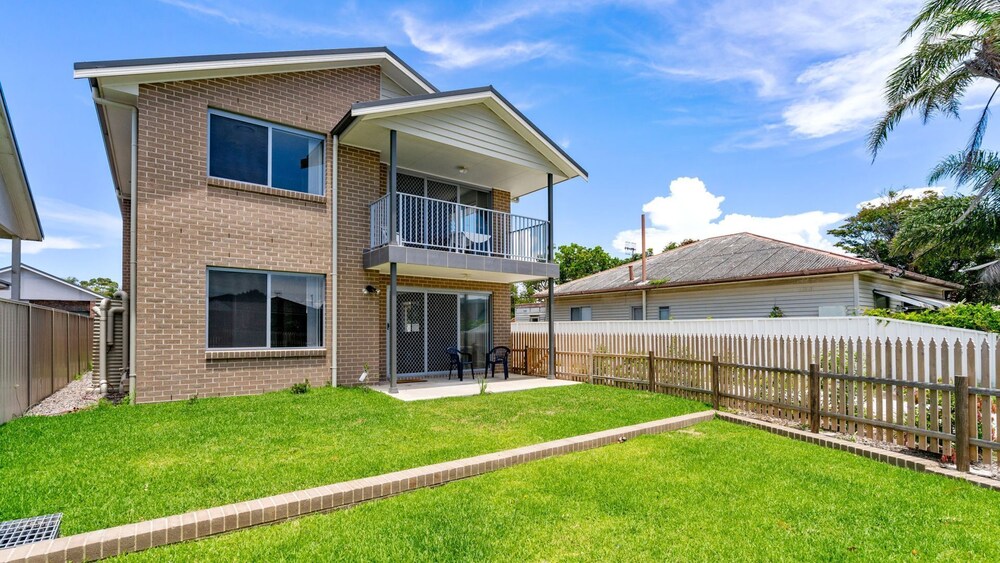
pixel 631 273
pixel 643 249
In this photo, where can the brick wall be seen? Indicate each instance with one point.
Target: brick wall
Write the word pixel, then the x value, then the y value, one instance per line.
pixel 187 223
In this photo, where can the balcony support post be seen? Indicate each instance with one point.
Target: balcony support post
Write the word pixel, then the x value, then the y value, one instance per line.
pixel 391 298
pixel 550 305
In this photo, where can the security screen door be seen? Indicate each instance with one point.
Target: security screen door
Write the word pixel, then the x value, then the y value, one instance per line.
pixel 430 322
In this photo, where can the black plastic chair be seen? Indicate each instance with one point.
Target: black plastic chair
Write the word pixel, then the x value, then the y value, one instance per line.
pixel 496 356
pixel 458 360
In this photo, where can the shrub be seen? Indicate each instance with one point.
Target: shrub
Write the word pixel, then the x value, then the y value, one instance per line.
pixel 975 316
pixel 300 388
pixel 776 312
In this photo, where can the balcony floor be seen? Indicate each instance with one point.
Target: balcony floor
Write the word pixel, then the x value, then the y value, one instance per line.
pixel 439 387
pixel 428 263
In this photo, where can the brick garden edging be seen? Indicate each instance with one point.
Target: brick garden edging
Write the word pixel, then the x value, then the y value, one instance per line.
pixel 898 459
pixel 99 544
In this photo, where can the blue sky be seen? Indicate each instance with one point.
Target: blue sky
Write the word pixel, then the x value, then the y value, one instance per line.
pixel 713 116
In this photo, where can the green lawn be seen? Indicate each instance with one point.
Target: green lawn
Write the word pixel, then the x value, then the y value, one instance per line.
pixel 114 465
pixel 716 491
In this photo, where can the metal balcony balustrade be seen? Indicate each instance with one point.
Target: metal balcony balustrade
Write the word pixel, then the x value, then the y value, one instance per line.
pixel 436 224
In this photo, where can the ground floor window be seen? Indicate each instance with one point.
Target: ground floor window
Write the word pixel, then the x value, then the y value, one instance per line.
pixel 255 309
pixel 579 314
pixel 664 314
pixel 428 322
pixel 636 313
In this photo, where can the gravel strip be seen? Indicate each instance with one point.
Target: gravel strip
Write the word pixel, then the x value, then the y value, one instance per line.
pixel 75 396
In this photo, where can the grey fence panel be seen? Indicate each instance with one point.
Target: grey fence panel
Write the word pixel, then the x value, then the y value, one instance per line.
pixel 14 400
pixel 41 350
pixel 40 336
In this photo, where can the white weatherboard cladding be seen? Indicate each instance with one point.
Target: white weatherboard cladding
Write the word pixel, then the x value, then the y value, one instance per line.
pixel 470 127
pixel 796 298
pixel 390 89
pixel 868 284
pixel 38 287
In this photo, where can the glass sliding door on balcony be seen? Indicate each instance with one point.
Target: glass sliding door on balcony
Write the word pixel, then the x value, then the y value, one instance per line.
pixel 430 322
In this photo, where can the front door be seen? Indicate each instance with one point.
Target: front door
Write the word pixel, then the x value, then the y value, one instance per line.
pixel 429 322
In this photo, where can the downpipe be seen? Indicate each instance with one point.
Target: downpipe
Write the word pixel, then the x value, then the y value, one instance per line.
pixel 133 207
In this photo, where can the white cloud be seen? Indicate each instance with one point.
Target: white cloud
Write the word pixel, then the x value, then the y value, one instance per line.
pixel 456 46
pixel 818 66
pixel 691 211
pixel 69 226
pixel 915 193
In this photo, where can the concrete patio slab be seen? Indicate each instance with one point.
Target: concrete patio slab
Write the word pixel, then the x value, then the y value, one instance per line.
pixel 440 387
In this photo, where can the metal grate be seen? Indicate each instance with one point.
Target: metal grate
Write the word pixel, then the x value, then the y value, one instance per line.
pixel 29 530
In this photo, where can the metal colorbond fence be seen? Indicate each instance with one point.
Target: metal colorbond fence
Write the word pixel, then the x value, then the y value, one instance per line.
pixel 884 385
pixel 41 350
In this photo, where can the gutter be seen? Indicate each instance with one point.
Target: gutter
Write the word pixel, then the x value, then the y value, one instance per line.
pixel 783 275
pixel 133 194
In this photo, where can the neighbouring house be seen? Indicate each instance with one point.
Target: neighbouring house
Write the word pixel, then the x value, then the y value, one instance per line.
pixel 42 288
pixel 315 215
pixel 18 215
pixel 744 276
pixel 529 312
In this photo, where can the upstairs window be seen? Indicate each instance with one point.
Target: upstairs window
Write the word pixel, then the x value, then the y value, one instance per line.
pixel 258 152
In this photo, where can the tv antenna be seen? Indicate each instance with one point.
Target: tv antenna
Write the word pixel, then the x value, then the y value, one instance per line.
pixel 630 247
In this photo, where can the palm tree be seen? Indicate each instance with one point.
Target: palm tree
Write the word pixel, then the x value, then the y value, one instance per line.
pixel 958 44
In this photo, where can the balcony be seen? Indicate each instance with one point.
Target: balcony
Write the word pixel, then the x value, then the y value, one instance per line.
pixel 436 238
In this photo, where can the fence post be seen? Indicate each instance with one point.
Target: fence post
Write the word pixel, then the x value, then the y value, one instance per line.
pixel 715 382
pixel 652 373
pixel 526 371
pixel 962 422
pixel 814 398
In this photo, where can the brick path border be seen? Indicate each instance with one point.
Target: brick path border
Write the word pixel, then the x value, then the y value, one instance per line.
pixel 99 544
pixel 908 461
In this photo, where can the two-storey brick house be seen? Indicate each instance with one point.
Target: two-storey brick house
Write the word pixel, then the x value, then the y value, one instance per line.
pixel 301 215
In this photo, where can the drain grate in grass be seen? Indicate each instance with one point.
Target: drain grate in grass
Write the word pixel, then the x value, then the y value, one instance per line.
pixel 29 530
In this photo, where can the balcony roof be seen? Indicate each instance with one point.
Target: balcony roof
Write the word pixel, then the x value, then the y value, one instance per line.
pixel 474 136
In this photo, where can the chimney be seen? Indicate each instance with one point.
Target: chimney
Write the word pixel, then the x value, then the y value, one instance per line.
pixel 643 248
pixel 631 274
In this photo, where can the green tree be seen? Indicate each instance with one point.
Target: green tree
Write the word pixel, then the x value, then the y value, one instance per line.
pixel 576 261
pixel 674 245
pixel 104 286
pixel 869 232
pixel 923 235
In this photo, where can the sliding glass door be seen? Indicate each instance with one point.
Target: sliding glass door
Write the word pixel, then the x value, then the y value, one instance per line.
pixel 431 321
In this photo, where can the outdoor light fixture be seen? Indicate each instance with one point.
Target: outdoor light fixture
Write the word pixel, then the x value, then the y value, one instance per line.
pixel 370 289
pixel 462 170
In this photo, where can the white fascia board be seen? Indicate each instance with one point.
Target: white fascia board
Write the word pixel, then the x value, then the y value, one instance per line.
pixel 266 65
pixel 495 104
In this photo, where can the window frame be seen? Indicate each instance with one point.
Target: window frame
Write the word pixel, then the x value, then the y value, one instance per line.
pixel 271 126
pixel 581 308
pixel 639 309
pixel 268 273
pixel 659 312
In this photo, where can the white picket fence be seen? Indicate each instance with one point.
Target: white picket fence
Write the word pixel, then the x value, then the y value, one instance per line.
pixel 579 335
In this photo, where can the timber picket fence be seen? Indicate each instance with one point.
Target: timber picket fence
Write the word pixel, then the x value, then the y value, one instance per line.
pixel 934 391
pixel 41 350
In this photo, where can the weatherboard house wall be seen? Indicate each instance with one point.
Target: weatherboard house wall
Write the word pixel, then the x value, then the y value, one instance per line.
pixel 752 275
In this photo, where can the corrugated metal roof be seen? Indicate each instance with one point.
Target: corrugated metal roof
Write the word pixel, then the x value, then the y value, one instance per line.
pixel 733 257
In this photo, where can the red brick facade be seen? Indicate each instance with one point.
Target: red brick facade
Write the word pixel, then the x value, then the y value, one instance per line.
pixel 188 222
